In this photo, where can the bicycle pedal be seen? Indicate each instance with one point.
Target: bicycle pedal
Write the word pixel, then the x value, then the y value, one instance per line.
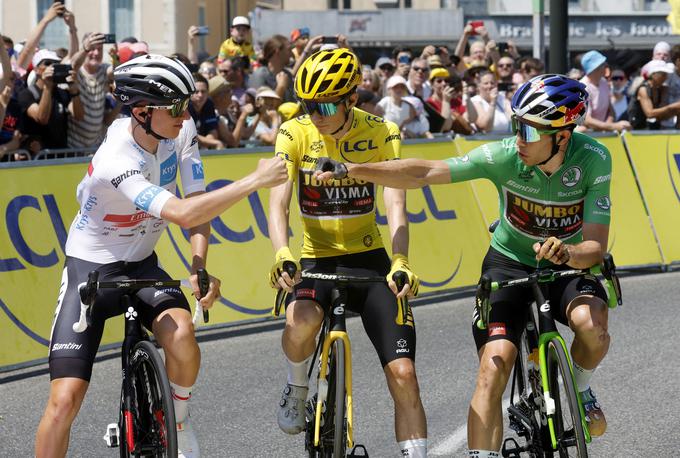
pixel 356 448
pixel 112 435
pixel 513 450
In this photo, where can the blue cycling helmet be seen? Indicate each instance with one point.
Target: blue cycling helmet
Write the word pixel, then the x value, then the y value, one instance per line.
pixel 551 100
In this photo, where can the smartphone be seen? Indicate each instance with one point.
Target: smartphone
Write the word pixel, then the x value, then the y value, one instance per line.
pixel 329 40
pixel 61 71
pixel 59 1
pixel 475 25
pixel 507 87
pixel 203 30
pixel 193 68
pixel 404 59
pixel 109 38
pixel 502 47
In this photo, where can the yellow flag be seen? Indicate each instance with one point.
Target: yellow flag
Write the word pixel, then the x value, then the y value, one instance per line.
pixel 673 17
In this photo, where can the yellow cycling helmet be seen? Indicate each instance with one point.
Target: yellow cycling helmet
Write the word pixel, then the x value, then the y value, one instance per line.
pixel 329 73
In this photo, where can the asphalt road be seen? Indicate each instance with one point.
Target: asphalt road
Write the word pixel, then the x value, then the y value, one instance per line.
pixel 237 394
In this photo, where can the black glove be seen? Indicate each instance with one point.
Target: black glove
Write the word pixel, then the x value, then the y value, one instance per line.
pixel 326 164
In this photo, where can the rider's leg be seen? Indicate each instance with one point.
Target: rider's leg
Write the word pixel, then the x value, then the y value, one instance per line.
pixel 66 397
pixel 410 424
pixel 588 318
pixel 303 320
pixel 485 417
pixel 174 332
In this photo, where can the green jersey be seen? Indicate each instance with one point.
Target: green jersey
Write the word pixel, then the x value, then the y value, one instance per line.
pixel 535 206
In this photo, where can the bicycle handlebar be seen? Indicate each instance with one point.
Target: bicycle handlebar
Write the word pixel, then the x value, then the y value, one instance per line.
pixel 400 279
pixel 88 293
pixel 486 286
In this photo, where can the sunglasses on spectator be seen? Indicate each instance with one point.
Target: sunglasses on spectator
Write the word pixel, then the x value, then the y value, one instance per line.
pixel 176 109
pixel 528 133
pixel 419 69
pixel 617 78
pixel 504 65
pixel 325 109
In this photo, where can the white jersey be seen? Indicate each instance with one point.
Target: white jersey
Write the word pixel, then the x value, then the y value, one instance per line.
pixel 124 190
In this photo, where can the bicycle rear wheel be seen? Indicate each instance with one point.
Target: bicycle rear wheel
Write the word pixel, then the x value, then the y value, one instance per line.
pixel 571 441
pixel 335 439
pixel 152 414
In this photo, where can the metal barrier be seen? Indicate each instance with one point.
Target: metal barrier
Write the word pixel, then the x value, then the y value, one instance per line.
pixel 61 153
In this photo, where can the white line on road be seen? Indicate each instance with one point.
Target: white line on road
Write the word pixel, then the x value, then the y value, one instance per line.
pixel 455 441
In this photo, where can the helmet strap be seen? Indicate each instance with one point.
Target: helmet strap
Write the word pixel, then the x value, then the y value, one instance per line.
pixel 146 124
pixel 347 114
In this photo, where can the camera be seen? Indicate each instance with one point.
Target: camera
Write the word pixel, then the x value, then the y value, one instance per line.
pixel 329 40
pixel 203 30
pixel 62 2
pixel 507 87
pixel 61 71
pixel 475 25
pixel 502 47
pixel 109 38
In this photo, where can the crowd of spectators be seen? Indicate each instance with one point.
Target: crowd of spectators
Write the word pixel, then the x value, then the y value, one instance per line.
pixel 56 99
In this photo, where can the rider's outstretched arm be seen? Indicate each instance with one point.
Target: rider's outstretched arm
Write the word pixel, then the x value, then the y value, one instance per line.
pixel 402 174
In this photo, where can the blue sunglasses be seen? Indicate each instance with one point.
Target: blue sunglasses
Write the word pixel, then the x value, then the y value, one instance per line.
pixel 323 108
pixel 528 133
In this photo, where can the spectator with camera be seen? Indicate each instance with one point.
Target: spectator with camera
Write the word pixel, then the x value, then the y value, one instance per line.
pixel 299 39
pixel 202 110
pixel 237 44
pixel 45 106
pixel 489 110
pixel 10 112
pixel 93 79
pixel 402 56
pixel 446 99
pixel 274 74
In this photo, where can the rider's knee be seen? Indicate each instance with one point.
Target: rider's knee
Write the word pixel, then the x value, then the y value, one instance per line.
pixel 64 405
pixel 305 318
pixel 493 375
pixel 589 317
pixel 403 373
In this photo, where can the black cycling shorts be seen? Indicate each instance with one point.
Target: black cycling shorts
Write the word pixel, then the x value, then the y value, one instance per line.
pixel 375 302
pixel 71 353
pixel 510 306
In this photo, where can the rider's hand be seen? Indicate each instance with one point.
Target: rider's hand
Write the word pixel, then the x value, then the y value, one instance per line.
pixel 278 277
pixel 271 172
pixel 328 169
pixel 213 290
pixel 553 250
pixel 400 263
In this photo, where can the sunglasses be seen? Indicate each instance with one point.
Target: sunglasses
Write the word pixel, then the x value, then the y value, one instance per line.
pixel 176 110
pixel 419 69
pixel 617 78
pixel 504 65
pixel 323 108
pixel 528 133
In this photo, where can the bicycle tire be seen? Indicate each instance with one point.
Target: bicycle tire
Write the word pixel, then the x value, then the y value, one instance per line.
pixel 334 417
pixel 152 407
pixel 570 442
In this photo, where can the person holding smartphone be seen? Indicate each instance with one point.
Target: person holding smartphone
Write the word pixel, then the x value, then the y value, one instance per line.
pixel 47 107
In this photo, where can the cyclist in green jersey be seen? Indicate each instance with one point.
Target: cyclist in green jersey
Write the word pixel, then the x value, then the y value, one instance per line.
pixel 553 186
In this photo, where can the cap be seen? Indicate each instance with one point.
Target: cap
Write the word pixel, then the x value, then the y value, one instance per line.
pixel 217 84
pixel 662 46
pixel 439 73
pixel 384 61
pixel 478 65
pixel 265 91
pixel 591 61
pixel 395 81
pixel 44 54
pixel 434 61
pixel 240 20
pixel 657 66
pixel 299 33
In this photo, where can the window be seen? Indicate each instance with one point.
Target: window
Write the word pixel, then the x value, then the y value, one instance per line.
pixel 121 18
pixel 56 33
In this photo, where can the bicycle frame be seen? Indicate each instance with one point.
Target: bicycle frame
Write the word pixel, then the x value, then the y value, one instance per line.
pixel 336 331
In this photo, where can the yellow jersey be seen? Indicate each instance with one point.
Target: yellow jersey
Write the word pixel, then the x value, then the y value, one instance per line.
pixel 338 217
pixel 229 48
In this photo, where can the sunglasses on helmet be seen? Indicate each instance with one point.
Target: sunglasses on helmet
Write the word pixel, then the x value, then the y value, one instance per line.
pixel 528 133
pixel 323 108
pixel 176 109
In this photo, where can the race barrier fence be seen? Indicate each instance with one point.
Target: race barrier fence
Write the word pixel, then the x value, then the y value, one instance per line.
pixel 448 232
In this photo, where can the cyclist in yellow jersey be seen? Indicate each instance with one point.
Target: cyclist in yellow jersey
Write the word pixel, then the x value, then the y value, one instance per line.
pixel 341 236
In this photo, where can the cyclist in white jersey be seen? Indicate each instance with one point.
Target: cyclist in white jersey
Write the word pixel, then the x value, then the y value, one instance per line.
pixel 127 197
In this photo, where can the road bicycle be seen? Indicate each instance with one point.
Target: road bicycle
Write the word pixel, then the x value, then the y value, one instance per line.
pixel 545 408
pixel 329 425
pixel 146 423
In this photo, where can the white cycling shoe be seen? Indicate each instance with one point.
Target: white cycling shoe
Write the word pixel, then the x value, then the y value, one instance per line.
pixel 291 415
pixel 187 444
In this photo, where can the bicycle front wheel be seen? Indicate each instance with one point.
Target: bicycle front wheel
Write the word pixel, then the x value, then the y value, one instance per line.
pixel 152 414
pixel 571 441
pixel 336 403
